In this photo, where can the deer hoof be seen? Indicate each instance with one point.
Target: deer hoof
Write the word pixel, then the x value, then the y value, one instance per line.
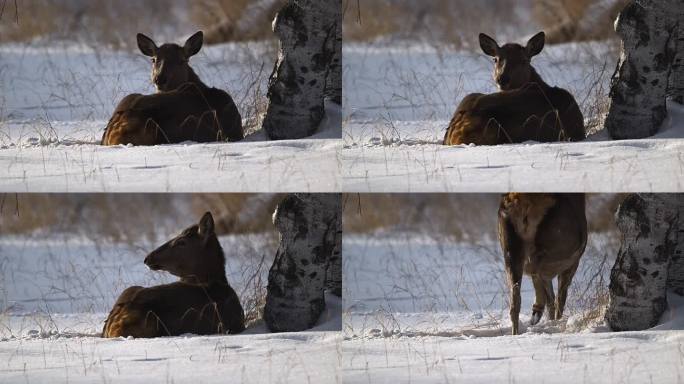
pixel 536 316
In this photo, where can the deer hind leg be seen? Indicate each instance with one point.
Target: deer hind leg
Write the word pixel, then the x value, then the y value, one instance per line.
pixel 120 312
pixel 540 299
pixel 550 299
pixel 125 321
pixel 516 280
pixel 511 245
pixel 564 280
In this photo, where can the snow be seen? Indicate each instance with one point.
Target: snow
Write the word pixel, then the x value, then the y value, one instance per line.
pixel 426 309
pixel 56 292
pixel 55 103
pixel 398 103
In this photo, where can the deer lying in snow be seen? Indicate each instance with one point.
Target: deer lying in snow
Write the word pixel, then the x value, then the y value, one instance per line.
pixel 202 302
pixel 184 108
pixel 525 108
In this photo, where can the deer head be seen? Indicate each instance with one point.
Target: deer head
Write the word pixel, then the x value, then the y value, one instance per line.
pixel 194 255
pixel 170 66
pixel 512 68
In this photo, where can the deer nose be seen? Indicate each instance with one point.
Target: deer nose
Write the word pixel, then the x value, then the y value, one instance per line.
pixel 149 261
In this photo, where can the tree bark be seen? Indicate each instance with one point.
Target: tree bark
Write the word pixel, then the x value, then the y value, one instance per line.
pixel 333 83
pixel 675 275
pixel 307 32
pixel 648 29
pixel 639 279
pixel 308 226
pixel 676 85
pixel 334 273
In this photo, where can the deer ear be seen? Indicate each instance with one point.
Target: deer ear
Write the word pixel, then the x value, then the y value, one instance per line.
pixel 535 44
pixel 146 45
pixel 193 44
pixel 489 45
pixel 206 225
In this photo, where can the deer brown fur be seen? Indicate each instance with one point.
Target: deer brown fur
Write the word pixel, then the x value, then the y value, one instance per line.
pixel 184 108
pixel 202 302
pixel 525 108
pixel 542 236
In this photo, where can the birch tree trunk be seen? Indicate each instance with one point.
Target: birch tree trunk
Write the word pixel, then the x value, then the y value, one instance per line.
pixel 333 83
pixel 675 276
pixel 308 226
pixel 307 32
pixel 648 29
pixel 676 85
pixel 639 279
pixel 334 273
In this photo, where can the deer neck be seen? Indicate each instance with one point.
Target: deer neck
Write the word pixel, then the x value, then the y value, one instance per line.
pixel 536 79
pixel 205 279
pixel 213 273
pixel 193 78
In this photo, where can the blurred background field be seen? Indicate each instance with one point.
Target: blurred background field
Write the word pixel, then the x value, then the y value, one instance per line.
pixel 456 23
pixel 108 24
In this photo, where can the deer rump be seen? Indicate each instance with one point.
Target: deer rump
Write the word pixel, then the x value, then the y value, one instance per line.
pixel 515 116
pixel 186 113
pixel 175 309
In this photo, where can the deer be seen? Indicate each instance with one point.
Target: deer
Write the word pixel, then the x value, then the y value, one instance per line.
pixel 183 109
pixel 201 302
pixel 525 107
pixel 542 236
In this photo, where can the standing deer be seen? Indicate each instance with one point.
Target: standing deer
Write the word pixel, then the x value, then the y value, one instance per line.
pixel 543 236
pixel 184 108
pixel 202 302
pixel 525 108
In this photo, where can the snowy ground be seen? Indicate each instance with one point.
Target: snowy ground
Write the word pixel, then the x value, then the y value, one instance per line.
pixel 55 103
pixel 56 292
pixel 398 103
pixel 421 309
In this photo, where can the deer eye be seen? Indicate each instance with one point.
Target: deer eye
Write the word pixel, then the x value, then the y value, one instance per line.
pixel 180 243
pixel 154 60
